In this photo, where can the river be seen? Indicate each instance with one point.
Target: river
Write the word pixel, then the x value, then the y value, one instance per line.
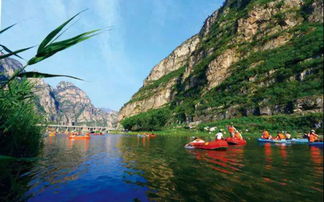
pixel 131 168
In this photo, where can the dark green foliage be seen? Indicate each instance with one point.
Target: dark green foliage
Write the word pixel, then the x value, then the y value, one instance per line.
pixel 19 135
pixel 256 124
pixel 287 61
pixel 151 120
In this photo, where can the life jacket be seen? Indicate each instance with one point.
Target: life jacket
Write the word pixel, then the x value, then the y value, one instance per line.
pixel 238 135
pixel 265 135
pixel 312 137
pixel 231 129
pixel 281 136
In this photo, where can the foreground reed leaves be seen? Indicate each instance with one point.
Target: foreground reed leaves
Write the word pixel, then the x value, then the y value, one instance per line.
pixel 49 47
pixel 13 52
pixel 44 75
pixel 5 29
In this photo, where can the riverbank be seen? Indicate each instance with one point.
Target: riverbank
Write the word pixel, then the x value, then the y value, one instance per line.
pixel 251 126
pixel 180 132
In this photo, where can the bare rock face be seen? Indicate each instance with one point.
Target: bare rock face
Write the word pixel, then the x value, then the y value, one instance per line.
pixel 45 99
pixel 161 96
pixel 76 107
pixel 218 68
pixel 317 8
pixel 8 66
pixel 174 61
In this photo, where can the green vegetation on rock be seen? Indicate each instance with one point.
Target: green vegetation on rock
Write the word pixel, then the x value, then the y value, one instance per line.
pixel 264 79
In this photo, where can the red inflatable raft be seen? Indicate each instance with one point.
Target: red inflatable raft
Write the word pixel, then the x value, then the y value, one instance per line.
pixel 235 141
pixel 150 134
pixel 217 144
pixel 79 137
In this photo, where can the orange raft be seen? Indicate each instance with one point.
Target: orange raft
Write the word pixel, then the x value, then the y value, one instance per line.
pixel 79 137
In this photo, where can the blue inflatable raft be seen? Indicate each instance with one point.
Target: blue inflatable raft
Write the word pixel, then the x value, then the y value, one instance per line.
pixel 317 144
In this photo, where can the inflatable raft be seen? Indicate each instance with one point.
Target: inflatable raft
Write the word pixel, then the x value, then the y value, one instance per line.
pixel 284 141
pixel 235 141
pixel 273 141
pixel 79 137
pixel 213 145
pixel 317 144
pixel 299 140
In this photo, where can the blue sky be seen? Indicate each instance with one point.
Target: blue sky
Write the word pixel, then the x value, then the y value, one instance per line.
pixel 115 63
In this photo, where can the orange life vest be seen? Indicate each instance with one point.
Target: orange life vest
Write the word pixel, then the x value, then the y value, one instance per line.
pixel 231 129
pixel 281 136
pixel 312 137
pixel 238 135
pixel 265 135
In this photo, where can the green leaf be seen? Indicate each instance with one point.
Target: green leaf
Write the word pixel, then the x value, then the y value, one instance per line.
pixel 14 53
pixel 9 51
pixel 43 75
pixel 55 47
pixel 5 29
pixel 53 33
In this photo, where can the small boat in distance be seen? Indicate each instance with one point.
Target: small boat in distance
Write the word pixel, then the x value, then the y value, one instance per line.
pixel 85 137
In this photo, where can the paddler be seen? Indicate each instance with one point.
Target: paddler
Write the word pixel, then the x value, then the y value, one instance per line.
pixel 312 136
pixel 280 136
pixel 219 135
pixel 199 140
pixel 231 129
pixel 288 136
pixel 266 135
pixel 238 135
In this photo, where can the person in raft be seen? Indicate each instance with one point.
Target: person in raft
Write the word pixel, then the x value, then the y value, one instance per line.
pixel 231 130
pixel 280 136
pixel 198 140
pixel 266 135
pixel 288 136
pixel 238 135
pixel 312 136
pixel 219 135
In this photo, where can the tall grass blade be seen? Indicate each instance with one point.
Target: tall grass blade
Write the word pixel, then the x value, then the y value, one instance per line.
pixel 56 31
pixel 55 47
pixel 44 75
pixel 14 53
pixel 5 29
pixel 9 51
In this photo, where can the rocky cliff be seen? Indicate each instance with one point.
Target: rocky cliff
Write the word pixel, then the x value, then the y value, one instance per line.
pixel 65 104
pixel 251 57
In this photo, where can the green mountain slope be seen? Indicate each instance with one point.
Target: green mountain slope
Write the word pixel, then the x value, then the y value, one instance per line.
pixel 251 58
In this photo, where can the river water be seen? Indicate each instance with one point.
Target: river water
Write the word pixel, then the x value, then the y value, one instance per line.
pixel 130 168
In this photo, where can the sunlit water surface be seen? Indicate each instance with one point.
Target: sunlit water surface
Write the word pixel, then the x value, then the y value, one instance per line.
pixel 130 168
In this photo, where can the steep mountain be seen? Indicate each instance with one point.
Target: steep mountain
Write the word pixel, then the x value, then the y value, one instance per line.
pixel 65 104
pixel 251 57
pixel 75 106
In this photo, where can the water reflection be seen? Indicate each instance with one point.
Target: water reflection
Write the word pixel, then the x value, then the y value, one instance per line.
pixel 268 156
pixel 126 168
pixel 228 161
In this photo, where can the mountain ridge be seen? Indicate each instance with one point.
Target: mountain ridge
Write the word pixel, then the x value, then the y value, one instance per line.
pixel 245 55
